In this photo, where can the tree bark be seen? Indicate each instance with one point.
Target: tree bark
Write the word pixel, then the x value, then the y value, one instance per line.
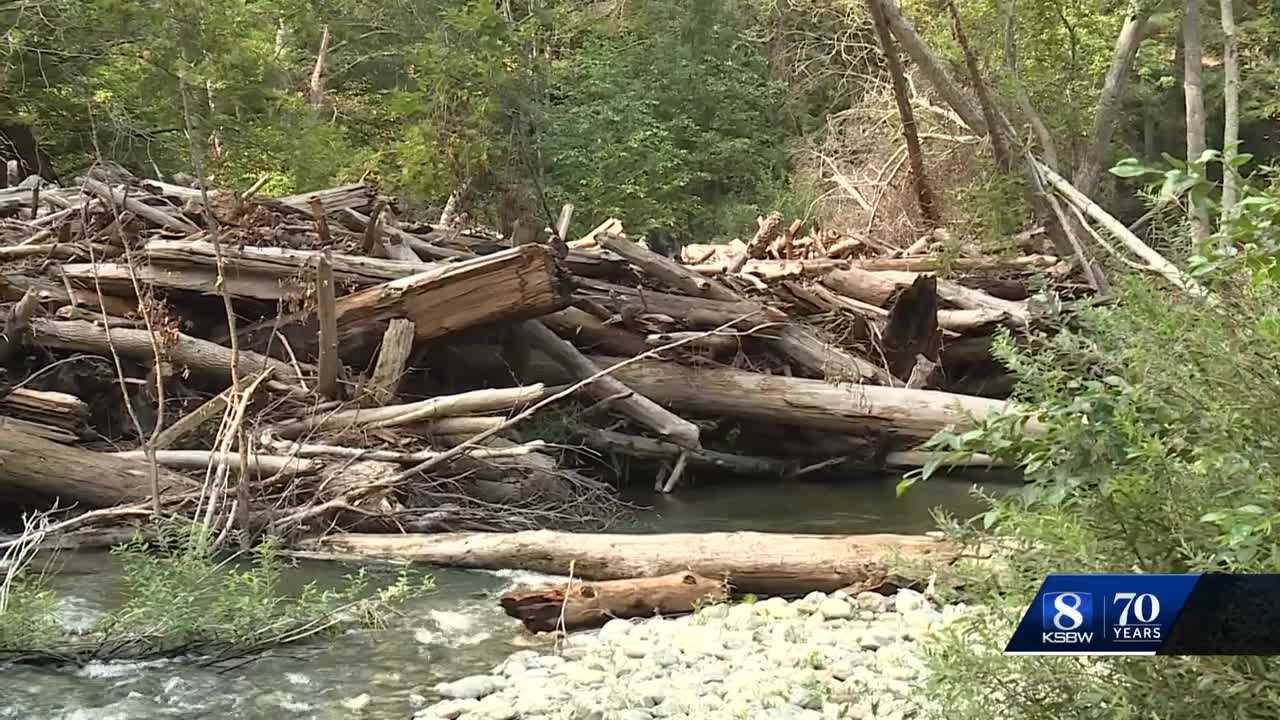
pixel 763 563
pixel 200 356
pixel 1231 100
pixel 73 475
pixel 1193 92
pixel 393 356
pixel 986 103
pixel 315 88
pixel 666 270
pixel 1089 171
pixel 467 403
pixel 932 67
pixel 801 401
pixel 578 606
pixel 326 311
pixel 629 402
pixel 915 156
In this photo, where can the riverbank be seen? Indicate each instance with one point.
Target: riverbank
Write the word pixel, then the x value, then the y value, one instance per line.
pixel 818 658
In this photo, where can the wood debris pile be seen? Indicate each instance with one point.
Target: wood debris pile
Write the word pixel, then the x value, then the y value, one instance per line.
pixel 304 363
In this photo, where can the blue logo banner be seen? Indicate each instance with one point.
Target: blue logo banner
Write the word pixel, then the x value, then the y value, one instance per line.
pixel 1101 615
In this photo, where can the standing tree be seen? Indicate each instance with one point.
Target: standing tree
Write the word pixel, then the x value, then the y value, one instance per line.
pixel 1193 91
pixel 928 209
pixel 1231 101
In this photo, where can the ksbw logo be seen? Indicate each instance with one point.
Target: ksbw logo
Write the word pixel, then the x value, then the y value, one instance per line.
pixel 1067 618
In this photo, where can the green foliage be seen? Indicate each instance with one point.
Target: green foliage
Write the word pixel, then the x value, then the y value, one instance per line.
pixel 180 597
pixel 668 127
pixel 1156 452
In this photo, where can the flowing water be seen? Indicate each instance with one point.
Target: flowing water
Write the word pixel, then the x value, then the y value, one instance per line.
pixel 457 630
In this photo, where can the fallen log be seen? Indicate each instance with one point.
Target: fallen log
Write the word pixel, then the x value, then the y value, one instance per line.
pixel 800 401
pixel 33 464
pixel 877 287
pixel 632 404
pixel 200 356
pixel 752 562
pixel 393 357
pixel 589 333
pixel 467 403
pixel 690 311
pixel 518 283
pixel 804 347
pixel 578 606
pixel 648 448
pixel 57 409
pixel 263 465
pixel 668 271
pixel 116 278
pixel 279 263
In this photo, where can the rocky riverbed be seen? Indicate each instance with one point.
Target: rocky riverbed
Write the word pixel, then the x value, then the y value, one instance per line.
pixel 819 658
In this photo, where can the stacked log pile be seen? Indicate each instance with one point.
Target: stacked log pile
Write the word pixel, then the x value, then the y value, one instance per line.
pixel 304 363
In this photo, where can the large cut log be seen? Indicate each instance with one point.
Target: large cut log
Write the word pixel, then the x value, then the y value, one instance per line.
pixel 877 287
pixel 801 401
pixel 690 311
pixel 668 271
pixel 578 606
pixel 47 408
pixel 521 282
pixel 73 475
pixel 183 351
pixel 278 263
pixel 630 403
pixel 764 563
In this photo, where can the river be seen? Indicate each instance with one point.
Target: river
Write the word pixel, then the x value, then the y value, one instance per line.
pixel 454 631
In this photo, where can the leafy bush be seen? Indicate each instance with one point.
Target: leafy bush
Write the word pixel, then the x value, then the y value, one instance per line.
pixel 181 598
pixel 1158 453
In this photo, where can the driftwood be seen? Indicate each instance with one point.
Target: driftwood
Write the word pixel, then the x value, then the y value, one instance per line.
pixel 56 409
pixel 578 606
pixel 200 356
pixel 823 359
pixel 468 403
pixel 642 447
pixel 201 459
pixel 507 285
pixel 279 263
pixel 693 312
pixel 73 475
pixel 625 400
pixel 393 357
pixel 668 271
pixel 802 401
pixel 877 287
pixel 589 333
pixel 764 563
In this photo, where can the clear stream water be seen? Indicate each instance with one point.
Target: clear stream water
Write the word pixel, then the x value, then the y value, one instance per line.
pixel 457 630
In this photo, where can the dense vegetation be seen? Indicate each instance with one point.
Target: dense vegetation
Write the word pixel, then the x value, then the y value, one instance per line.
pixel 684 117
pixel 689 119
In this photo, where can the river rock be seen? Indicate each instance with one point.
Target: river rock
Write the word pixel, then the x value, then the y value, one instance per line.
pixel 470 688
pixel 614 630
pixel 835 609
pixel 907 600
pixel 449 709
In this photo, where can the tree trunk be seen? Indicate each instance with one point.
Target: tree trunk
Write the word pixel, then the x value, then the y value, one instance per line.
pixel 763 563
pixel 578 606
pixel 801 401
pixel 1193 92
pixel 608 441
pixel 1047 145
pixel 315 88
pixel 915 156
pixel 1089 172
pixel 932 67
pixel 73 475
pixel 1231 98
pixel 999 148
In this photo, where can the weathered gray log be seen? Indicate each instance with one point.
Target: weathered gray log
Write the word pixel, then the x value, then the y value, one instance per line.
pixel 801 401
pixel 803 346
pixel 765 563
pixel 467 403
pixel 32 464
pixel 625 400
pixel 279 263
pixel 586 331
pixel 668 271
pixel 393 357
pixel 200 356
pixel 512 284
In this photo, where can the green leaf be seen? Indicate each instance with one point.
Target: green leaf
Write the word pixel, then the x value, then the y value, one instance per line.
pixel 1213 517
pixel 1131 168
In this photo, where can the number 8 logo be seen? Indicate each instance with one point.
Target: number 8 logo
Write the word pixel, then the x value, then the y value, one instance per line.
pixel 1070 611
